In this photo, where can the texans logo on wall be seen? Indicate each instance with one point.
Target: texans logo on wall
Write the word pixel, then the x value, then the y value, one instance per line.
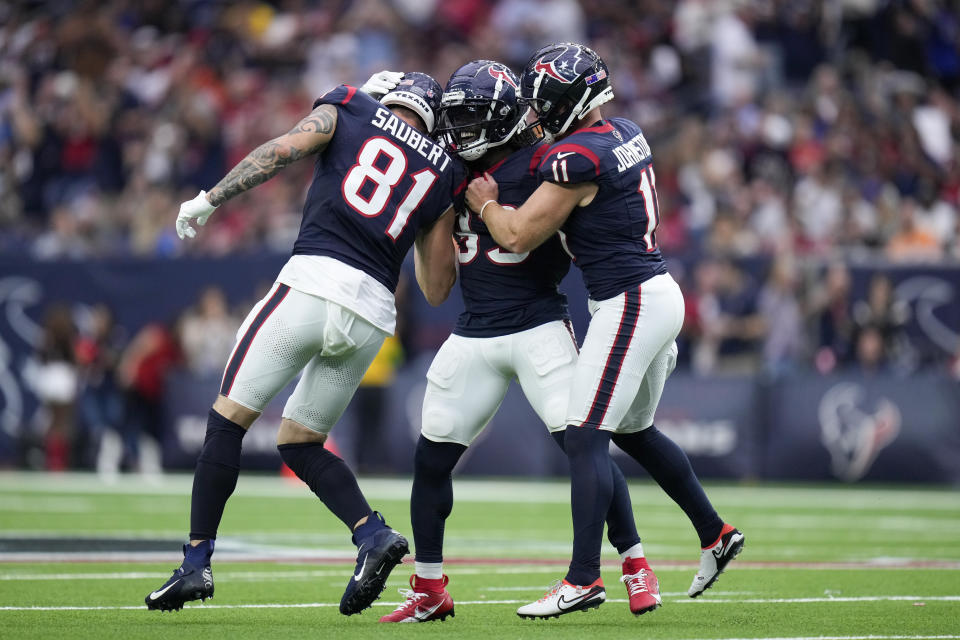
pixel 854 430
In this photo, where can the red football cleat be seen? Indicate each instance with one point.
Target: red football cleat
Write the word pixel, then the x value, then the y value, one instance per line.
pixel 642 586
pixel 426 600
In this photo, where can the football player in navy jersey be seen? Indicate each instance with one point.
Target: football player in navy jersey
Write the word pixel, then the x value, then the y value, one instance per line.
pixel 380 185
pixel 599 189
pixel 514 326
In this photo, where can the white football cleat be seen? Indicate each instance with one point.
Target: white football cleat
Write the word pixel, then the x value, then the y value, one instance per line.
pixel 563 597
pixel 715 558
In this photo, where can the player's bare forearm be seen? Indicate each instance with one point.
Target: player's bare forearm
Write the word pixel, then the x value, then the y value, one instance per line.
pixel 311 135
pixel 535 220
pixel 435 260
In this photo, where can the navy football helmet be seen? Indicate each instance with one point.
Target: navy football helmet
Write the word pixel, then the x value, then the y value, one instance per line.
pixel 480 109
pixel 420 93
pixel 563 82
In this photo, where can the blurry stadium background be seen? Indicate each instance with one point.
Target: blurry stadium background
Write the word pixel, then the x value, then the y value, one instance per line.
pixel 808 173
pixel 808 162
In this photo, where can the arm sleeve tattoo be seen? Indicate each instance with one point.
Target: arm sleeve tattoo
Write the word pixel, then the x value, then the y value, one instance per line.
pixel 311 135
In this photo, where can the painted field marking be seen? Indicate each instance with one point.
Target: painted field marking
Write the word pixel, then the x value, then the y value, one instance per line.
pixel 316 605
pixel 828 599
pixel 465 566
pixel 500 491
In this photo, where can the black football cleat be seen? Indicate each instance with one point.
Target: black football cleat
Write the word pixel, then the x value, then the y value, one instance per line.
pixel 378 554
pixel 189 582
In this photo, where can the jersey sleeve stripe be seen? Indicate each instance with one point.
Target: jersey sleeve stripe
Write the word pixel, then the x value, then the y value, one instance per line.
pixel 350 92
pixel 460 187
pixel 496 165
pixel 537 157
pixel 575 148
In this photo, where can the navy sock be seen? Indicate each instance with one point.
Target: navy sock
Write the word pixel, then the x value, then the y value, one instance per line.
pixel 667 463
pixel 330 478
pixel 215 476
pixel 198 556
pixel 621 527
pixel 591 492
pixel 431 500
pixel 374 523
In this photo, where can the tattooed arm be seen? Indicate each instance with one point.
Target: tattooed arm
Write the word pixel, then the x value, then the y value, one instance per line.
pixel 311 135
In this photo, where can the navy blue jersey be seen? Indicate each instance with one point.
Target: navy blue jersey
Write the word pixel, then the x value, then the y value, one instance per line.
pixel 506 292
pixel 613 239
pixel 375 185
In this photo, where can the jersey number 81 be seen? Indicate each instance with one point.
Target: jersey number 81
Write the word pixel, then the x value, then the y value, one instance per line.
pixel 385 177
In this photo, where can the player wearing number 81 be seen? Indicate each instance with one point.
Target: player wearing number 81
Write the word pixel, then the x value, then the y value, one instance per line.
pixel 380 185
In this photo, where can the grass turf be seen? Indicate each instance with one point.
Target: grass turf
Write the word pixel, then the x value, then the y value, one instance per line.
pixel 820 561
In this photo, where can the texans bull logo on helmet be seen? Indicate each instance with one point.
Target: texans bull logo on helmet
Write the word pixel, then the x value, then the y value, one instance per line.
pixel 500 74
pixel 548 68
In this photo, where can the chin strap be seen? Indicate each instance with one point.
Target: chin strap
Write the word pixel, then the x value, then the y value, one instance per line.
pixel 601 98
pixel 577 112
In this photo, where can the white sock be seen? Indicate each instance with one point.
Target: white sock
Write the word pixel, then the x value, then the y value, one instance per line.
pixel 636 551
pixel 429 570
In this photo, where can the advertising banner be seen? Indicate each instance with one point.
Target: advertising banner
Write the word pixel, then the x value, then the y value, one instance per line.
pixel 854 428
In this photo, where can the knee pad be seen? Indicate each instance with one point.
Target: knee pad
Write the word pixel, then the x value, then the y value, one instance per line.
pixel 439 422
pixel 555 411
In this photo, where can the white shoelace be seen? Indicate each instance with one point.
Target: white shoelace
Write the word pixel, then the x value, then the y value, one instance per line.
pixel 552 591
pixel 410 596
pixel 636 582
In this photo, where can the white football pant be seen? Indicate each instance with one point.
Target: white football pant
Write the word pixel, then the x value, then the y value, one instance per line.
pixel 626 357
pixel 289 331
pixel 469 378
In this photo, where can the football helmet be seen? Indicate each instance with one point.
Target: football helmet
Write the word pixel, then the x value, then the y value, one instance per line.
pixel 563 82
pixel 480 109
pixel 418 92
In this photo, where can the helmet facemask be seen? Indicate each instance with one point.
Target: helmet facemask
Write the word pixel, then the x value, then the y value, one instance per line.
pixel 476 125
pixel 479 110
pixel 557 118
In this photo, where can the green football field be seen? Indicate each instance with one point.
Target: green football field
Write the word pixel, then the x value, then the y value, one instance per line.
pixel 77 558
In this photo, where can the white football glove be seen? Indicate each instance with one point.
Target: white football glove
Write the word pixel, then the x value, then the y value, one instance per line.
pixel 381 83
pixel 197 210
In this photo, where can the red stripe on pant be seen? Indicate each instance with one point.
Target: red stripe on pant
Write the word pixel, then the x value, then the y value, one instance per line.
pixel 244 345
pixel 614 364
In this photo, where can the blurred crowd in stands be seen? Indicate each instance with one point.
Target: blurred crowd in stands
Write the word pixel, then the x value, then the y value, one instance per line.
pixel 792 139
pixel 777 125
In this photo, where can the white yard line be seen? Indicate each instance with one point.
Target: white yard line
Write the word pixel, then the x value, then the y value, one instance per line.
pixel 503 565
pixel 827 599
pixel 312 605
pixel 479 490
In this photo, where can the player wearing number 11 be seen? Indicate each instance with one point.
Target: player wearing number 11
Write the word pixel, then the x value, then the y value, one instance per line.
pixel 599 189
pixel 380 185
